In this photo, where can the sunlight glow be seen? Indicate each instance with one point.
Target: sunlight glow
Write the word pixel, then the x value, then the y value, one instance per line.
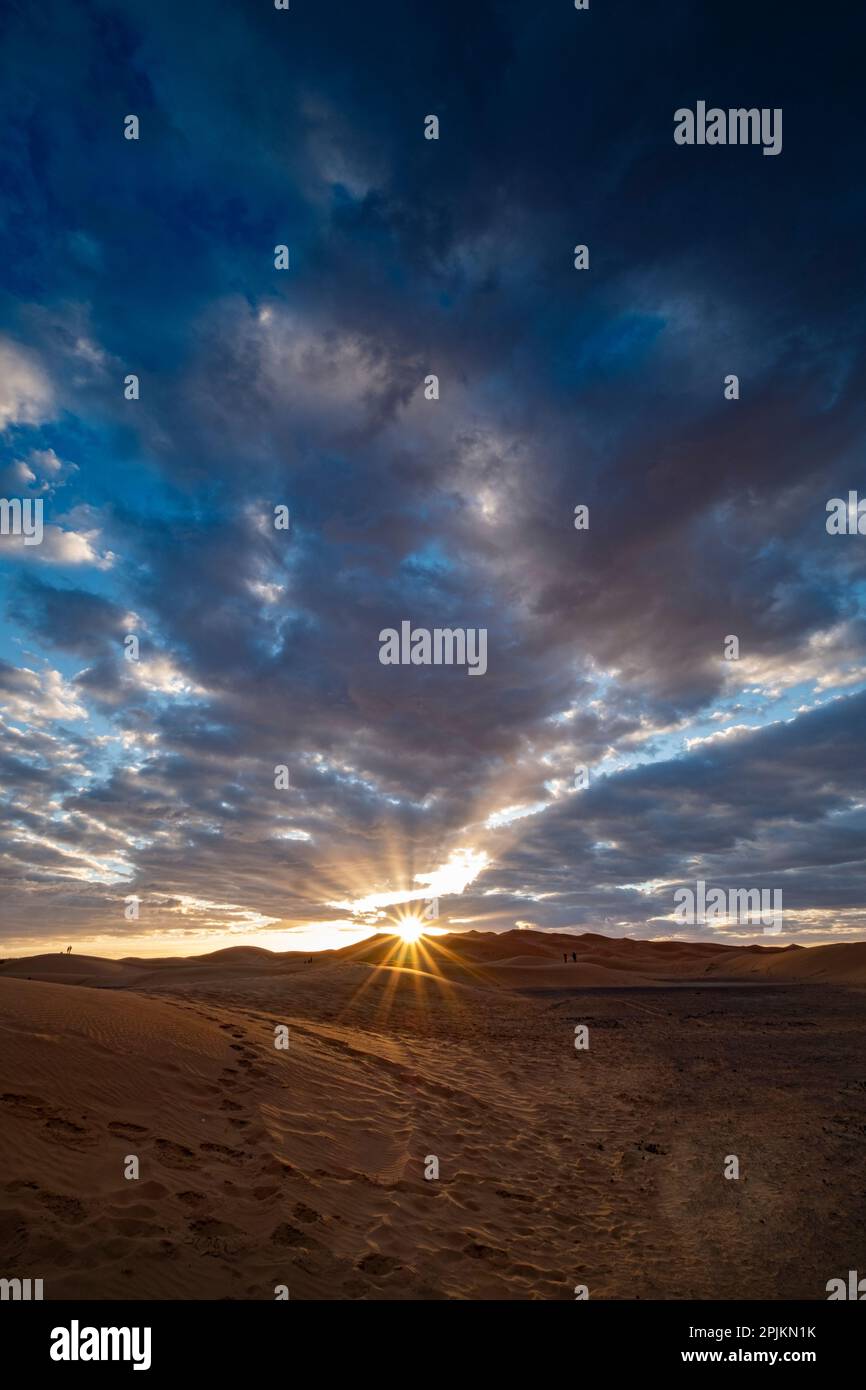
pixel 451 878
pixel 410 928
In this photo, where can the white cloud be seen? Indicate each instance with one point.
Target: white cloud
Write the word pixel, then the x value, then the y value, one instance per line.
pixel 732 731
pixel 208 915
pixel 34 696
pixel 828 660
pixel 59 547
pixel 159 673
pixel 25 391
pixel 461 868
pixel 268 593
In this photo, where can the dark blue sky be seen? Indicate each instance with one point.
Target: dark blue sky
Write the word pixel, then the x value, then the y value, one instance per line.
pixel 305 388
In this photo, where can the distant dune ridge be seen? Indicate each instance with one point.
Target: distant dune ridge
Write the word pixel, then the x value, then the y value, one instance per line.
pixel 519 959
pixel 305 1168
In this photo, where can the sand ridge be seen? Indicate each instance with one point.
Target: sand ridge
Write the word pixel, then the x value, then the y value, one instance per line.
pixel 261 1167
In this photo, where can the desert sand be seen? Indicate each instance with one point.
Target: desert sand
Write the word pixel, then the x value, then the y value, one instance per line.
pixel 305 1167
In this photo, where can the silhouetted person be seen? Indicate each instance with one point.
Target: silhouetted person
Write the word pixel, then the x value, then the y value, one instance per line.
pixel 574 955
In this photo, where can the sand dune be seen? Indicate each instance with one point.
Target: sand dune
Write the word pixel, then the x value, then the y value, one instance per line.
pixel 840 964
pixel 69 969
pixel 305 1167
pixel 511 960
pixel 257 1167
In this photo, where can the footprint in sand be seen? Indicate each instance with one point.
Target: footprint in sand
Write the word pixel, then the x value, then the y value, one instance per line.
pixel 379 1265
pixel 212 1237
pixel 272 1167
pixel 66 1209
pixel 174 1155
pixel 306 1214
pixel 284 1234
pixel 123 1130
pixel 223 1151
pixel 491 1254
pixel 67 1132
pixel 23 1105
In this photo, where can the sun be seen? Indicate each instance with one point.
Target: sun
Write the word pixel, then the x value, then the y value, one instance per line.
pixel 410 929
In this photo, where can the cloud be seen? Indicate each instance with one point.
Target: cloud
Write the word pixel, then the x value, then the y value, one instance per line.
pixel 306 389
pixel 60 547
pixel 37 696
pixel 26 395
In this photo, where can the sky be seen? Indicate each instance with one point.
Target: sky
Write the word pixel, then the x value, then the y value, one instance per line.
pixel 140 812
